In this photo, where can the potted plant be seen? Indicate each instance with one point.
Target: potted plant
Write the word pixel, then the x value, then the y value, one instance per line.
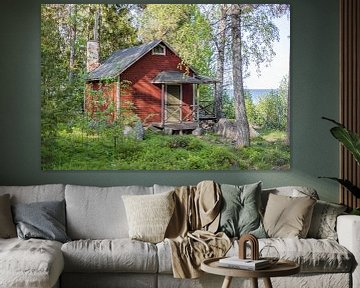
pixel 351 141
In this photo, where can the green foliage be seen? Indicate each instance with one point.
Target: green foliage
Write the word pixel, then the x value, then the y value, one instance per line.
pixel 228 107
pixel 184 28
pixel 351 141
pixel 116 31
pixel 78 150
pixel 65 29
pixel 271 111
pixel 259 33
pixel 251 110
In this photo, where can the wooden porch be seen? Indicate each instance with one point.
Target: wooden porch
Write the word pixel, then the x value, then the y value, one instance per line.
pixel 203 111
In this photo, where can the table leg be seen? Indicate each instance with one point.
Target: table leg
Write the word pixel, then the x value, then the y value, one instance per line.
pixel 254 282
pixel 267 283
pixel 227 282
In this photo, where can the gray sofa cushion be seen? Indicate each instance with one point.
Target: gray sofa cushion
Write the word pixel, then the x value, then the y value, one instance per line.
pixel 117 255
pixel 36 193
pixel 30 263
pixel 98 213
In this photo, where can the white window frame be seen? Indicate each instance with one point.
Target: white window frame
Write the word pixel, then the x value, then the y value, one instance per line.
pixel 159 53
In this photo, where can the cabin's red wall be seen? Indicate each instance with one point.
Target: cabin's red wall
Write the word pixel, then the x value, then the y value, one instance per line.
pixel 145 96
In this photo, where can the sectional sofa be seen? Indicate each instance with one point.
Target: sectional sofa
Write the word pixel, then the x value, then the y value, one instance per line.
pixel 99 252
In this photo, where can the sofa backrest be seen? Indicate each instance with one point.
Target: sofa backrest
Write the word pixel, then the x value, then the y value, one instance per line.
pixel 293 191
pixel 98 212
pixel 36 193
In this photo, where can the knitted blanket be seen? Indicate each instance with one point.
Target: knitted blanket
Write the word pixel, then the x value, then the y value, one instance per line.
pixel 191 232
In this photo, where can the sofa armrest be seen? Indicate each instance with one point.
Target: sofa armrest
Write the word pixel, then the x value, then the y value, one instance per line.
pixel 348 230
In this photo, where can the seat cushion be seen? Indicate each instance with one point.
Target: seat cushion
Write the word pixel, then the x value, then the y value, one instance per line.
pixel 98 212
pixel 30 263
pixel 117 255
pixel 313 255
pixel 108 280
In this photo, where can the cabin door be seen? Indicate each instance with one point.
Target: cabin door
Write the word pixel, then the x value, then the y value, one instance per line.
pixel 173 102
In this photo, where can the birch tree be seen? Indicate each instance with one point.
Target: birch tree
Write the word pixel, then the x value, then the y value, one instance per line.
pixel 220 42
pixel 243 138
pixel 252 34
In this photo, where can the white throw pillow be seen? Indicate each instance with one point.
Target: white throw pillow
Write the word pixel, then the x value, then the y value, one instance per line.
pixel 149 215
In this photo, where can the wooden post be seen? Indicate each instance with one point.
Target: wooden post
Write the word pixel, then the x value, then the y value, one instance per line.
pixel 193 115
pixel 117 98
pixel 163 105
pixel 198 104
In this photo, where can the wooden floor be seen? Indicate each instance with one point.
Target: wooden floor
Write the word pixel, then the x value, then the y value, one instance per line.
pixel 177 126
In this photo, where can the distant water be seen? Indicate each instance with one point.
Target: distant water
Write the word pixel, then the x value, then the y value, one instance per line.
pixel 257 93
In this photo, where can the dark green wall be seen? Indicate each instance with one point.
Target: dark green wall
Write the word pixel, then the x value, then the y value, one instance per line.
pixel 314 93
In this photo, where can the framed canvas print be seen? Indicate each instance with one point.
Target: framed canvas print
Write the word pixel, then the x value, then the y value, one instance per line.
pixel 165 86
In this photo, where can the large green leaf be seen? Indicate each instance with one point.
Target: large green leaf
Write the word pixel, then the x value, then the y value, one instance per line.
pixel 348 185
pixel 348 138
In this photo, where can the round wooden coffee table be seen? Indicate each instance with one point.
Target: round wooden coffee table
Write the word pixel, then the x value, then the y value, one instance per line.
pixel 281 268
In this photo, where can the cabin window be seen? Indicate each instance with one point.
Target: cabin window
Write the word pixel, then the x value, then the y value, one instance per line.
pixel 159 50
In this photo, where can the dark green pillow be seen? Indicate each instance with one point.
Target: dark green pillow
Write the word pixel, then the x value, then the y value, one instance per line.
pixel 240 213
pixel 43 220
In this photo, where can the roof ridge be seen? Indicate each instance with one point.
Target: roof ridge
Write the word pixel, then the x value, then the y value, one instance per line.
pixel 121 59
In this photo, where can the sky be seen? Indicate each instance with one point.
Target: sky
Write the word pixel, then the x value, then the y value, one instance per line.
pixel 271 76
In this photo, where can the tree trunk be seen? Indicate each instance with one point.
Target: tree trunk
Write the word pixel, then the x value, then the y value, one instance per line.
pixel 220 62
pixel 72 28
pixel 97 24
pixel 238 85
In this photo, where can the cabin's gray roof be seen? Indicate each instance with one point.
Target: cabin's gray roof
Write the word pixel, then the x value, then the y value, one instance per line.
pixel 120 60
pixel 177 77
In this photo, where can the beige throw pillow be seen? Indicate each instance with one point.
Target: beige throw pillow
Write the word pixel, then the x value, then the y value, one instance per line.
pixel 7 226
pixel 148 215
pixel 288 217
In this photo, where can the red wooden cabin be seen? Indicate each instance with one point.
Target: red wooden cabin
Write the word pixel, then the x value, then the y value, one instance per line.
pixel 149 78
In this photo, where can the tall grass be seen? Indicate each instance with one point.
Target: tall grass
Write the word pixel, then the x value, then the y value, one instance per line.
pixel 75 150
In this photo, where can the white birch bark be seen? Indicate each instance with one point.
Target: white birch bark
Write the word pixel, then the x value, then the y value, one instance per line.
pixel 239 100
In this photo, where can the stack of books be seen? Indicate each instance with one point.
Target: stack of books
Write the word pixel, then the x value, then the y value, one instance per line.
pixel 248 264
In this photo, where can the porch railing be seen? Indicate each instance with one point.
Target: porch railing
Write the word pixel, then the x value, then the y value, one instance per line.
pixel 206 111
